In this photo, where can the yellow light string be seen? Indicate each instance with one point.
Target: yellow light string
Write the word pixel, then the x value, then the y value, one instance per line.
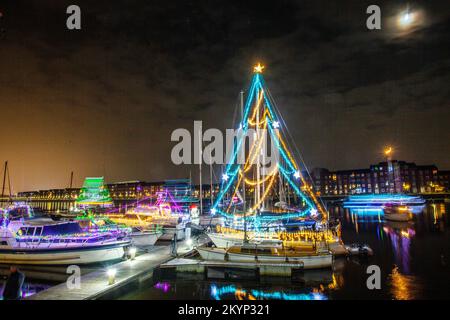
pixel 252 155
pixel 289 238
pixel 266 113
pixel 266 192
pixel 312 195
pixel 316 202
pixel 280 138
pixel 254 183
pixel 246 167
pixel 258 103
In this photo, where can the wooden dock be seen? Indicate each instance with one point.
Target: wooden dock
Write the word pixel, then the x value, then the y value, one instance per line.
pixel 95 284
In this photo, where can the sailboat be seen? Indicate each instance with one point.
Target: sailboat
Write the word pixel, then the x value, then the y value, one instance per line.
pixel 282 215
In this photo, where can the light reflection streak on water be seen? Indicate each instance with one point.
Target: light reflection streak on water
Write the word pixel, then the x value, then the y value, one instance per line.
pixel 403 287
pixel 219 292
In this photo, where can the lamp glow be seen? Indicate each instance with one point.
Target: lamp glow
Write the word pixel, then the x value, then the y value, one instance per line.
pixel 111 276
pixel 388 151
pixel 132 253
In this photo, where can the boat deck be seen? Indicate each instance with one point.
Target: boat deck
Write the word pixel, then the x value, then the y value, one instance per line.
pixel 95 284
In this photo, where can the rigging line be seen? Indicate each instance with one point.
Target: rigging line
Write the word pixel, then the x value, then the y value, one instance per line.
pixel 266 114
pixel 235 191
pixel 266 192
pixel 248 165
pixel 258 104
pixel 293 142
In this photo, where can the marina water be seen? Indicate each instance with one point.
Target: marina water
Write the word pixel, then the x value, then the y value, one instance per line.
pixel 414 259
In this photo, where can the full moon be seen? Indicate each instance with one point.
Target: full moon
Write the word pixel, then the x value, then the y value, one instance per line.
pixel 406 19
pixel 409 20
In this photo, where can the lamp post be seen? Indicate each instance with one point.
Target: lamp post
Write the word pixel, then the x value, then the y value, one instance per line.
pixel 388 152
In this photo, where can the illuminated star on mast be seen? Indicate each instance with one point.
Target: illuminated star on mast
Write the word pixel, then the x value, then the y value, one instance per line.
pixel 258 68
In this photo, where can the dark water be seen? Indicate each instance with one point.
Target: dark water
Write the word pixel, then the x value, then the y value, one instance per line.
pixel 414 259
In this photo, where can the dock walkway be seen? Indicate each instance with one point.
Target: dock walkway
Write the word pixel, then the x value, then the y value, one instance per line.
pixel 95 284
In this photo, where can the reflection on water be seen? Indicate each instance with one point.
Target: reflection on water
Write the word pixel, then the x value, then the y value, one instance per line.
pixel 221 292
pixel 404 287
pixel 400 234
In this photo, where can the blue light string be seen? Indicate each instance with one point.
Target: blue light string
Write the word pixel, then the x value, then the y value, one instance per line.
pixel 297 190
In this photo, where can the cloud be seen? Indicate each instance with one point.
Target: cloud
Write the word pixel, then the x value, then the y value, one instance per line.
pixel 103 101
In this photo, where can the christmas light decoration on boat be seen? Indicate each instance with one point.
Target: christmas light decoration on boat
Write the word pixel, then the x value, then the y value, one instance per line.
pixel 258 68
pixel 259 113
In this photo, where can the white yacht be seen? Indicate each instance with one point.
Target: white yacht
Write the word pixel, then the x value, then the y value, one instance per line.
pixel 47 242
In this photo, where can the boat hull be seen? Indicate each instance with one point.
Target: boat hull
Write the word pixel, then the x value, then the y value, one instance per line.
pixel 224 241
pixel 168 233
pixel 143 239
pixel 221 240
pixel 76 256
pixel 309 261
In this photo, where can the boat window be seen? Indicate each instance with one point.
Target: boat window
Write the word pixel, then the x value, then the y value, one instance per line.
pixel 62 228
pixel 27 231
pixel 264 251
pixel 38 231
pixel 4 243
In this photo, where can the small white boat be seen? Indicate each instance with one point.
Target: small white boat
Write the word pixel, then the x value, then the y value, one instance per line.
pixel 144 238
pixel 359 250
pixel 308 256
pixel 169 231
pixel 397 213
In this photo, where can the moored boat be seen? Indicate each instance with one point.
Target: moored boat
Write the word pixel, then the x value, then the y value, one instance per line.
pixel 380 200
pixel 309 257
pixel 397 213
pixel 46 242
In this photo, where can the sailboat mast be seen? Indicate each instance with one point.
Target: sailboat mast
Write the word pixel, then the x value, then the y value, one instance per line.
pixel 210 179
pixel 258 177
pixel 244 207
pixel 200 171
pixel 4 177
pixel 71 180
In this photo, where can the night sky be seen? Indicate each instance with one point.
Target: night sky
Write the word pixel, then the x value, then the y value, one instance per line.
pixel 104 100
